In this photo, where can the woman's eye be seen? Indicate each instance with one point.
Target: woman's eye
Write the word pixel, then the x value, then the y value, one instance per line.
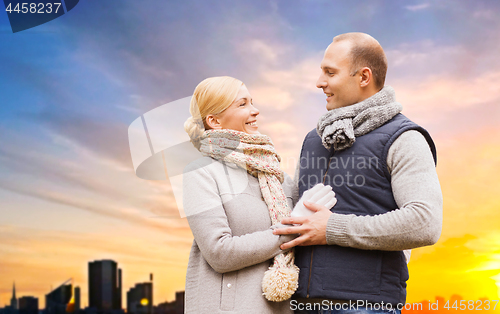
pixel 243 104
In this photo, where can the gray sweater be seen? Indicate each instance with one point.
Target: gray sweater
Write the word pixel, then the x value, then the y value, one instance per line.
pixel 233 242
pixel 415 186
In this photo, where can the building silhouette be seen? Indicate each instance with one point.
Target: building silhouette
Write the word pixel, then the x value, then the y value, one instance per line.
pixel 12 308
pixel 174 307
pixel 140 299
pixel 28 305
pixel 77 298
pixel 57 300
pixel 105 286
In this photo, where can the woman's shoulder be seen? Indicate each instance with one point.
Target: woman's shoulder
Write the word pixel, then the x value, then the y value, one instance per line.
pixel 198 164
pixel 205 164
pixel 214 168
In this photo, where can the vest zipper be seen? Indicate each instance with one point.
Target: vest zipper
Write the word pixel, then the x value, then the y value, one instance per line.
pixel 310 270
pixel 312 249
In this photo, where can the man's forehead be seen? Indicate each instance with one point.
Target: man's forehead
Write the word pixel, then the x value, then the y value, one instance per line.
pixel 336 55
pixel 341 48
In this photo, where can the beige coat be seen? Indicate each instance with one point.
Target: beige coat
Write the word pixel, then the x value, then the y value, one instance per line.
pixel 233 242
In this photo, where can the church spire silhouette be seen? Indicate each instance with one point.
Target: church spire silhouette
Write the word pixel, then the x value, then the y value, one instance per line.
pixel 13 301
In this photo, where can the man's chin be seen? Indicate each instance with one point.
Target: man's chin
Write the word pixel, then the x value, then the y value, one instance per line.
pixel 331 106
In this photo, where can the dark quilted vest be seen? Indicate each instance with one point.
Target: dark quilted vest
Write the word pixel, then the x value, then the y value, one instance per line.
pixel 362 184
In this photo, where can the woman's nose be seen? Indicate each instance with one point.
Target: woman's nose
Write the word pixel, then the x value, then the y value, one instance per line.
pixel 254 111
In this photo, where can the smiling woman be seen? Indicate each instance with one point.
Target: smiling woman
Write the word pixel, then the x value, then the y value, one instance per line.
pixel 233 198
pixel 241 115
pixel 227 104
pixel 210 98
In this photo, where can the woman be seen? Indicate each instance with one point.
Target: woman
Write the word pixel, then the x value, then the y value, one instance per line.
pixel 233 197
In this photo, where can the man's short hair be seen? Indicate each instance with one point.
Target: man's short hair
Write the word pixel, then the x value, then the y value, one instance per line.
pixel 366 52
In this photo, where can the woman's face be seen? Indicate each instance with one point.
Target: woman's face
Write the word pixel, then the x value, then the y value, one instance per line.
pixel 241 115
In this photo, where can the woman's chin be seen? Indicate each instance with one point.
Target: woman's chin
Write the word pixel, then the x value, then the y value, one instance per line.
pixel 252 130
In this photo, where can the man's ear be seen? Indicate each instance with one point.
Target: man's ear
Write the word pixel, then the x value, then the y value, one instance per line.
pixel 213 122
pixel 365 76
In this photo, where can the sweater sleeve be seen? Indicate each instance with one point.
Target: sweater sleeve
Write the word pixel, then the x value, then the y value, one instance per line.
pixel 208 221
pixel 417 220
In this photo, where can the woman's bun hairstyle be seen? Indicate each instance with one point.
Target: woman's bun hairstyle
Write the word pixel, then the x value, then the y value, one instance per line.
pixel 194 128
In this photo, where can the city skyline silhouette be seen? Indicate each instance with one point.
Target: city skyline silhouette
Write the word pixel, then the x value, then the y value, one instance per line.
pixel 71 88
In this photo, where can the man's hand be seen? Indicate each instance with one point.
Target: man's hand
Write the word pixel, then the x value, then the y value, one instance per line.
pixel 312 228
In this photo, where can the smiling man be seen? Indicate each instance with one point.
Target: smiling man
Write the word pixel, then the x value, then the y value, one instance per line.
pixel 381 166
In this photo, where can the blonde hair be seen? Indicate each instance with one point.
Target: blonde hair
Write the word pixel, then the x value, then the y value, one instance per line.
pixel 212 96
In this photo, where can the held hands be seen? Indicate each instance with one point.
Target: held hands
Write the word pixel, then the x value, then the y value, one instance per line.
pixel 312 228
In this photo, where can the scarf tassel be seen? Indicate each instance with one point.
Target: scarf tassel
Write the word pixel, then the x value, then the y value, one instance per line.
pixel 280 282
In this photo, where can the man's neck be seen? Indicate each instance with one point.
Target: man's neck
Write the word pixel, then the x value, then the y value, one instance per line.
pixel 368 92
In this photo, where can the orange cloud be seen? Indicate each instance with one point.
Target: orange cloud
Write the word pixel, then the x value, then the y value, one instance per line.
pixel 439 96
pixel 466 260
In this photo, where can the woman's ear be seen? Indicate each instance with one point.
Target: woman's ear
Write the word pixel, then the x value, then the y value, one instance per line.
pixel 213 122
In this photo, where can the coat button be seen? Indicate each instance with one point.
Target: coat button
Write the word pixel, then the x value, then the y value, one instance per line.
pixel 229 286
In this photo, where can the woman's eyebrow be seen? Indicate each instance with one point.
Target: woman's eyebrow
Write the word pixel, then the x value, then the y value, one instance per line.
pixel 244 98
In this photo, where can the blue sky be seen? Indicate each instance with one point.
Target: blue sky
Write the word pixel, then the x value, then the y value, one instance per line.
pixel 71 87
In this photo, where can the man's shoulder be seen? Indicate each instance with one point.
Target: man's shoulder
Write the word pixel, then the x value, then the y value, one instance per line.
pixel 312 133
pixel 398 122
pixel 313 142
pixel 403 125
pixel 312 138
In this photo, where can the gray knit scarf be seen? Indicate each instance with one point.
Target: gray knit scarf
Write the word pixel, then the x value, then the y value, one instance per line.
pixel 340 127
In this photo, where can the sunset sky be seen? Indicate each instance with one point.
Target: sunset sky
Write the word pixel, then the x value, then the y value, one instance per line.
pixel 70 88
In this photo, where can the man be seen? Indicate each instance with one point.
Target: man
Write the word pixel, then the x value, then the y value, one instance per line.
pixel 381 166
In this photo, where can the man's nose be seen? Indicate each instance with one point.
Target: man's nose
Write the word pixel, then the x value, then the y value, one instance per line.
pixel 321 82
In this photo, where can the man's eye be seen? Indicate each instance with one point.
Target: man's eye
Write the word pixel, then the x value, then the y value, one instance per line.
pixel 330 73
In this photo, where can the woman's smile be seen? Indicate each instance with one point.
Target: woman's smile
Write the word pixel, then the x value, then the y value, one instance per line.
pixel 241 115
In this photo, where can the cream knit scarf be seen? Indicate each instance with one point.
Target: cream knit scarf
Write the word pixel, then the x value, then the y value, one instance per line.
pixel 340 127
pixel 256 154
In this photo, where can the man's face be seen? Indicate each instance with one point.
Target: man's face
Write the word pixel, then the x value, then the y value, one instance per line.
pixel 340 87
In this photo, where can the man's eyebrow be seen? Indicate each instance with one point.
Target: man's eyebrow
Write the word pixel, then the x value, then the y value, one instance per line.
pixel 327 68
